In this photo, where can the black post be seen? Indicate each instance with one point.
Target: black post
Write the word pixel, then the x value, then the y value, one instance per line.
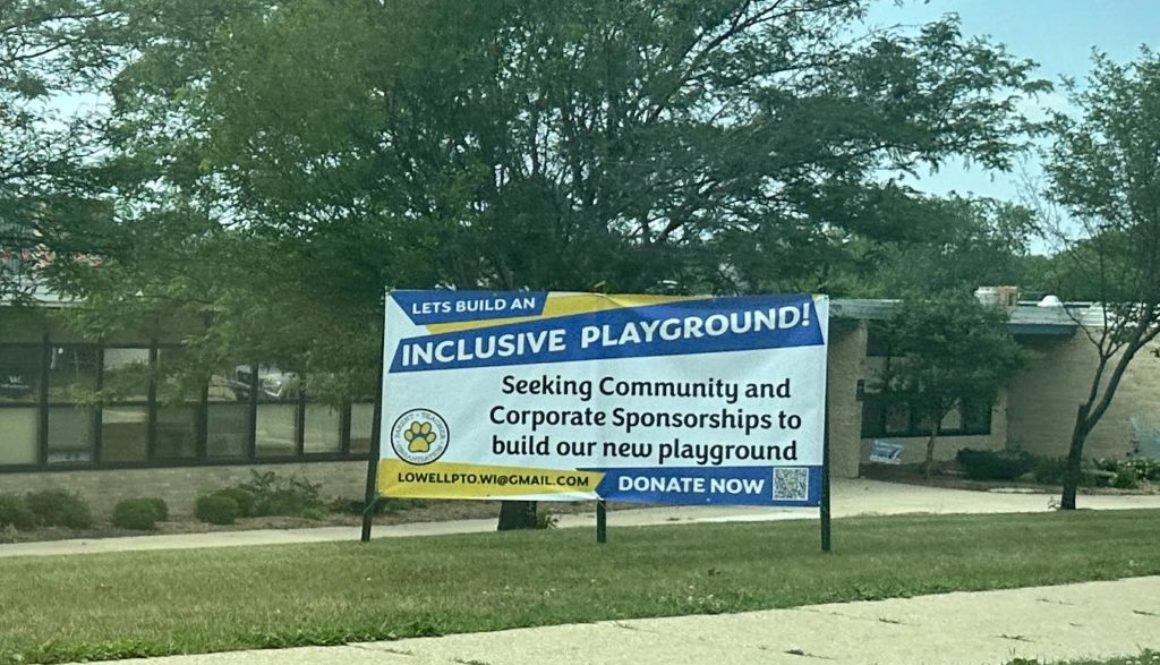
pixel 372 495
pixel 825 507
pixel 601 522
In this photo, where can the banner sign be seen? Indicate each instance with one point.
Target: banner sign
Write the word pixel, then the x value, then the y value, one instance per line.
pixel 577 396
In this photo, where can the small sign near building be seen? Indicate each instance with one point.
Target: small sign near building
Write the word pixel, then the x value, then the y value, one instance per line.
pixel 577 396
pixel 885 452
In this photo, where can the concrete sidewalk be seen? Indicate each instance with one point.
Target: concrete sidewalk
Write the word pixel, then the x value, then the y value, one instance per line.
pixel 850 498
pixel 1091 620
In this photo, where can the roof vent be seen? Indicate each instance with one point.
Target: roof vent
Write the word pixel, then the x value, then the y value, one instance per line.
pixel 1003 296
pixel 1050 301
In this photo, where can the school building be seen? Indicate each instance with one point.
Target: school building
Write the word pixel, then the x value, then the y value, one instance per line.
pixel 176 442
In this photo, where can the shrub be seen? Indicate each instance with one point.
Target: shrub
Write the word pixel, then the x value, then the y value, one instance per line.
pixel 137 514
pixel 1126 478
pixel 315 514
pixel 1127 474
pixel 216 509
pixel 1049 470
pixel 992 465
pixel 1146 469
pixel 275 495
pixel 243 498
pixel 160 507
pixel 59 508
pixel 14 513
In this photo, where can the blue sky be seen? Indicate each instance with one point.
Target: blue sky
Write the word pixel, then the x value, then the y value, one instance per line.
pixel 1058 34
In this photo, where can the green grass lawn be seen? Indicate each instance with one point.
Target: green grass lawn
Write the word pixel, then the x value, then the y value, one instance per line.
pixel 118 605
pixel 1145 658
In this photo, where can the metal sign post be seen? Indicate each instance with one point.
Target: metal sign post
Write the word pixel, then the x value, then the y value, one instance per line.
pixel 601 522
pixel 825 503
pixel 372 494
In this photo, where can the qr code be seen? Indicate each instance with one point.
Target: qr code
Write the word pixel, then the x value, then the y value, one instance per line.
pixel 791 484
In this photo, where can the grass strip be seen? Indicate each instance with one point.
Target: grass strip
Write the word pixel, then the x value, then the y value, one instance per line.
pixel 1146 657
pixel 108 606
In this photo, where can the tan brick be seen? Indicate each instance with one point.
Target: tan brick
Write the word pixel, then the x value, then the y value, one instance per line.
pixel 1045 396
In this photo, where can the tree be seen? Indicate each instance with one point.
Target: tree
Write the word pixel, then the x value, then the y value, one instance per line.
pixel 1104 170
pixel 947 350
pixel 950 243
pixel 49 49
pixel 722 145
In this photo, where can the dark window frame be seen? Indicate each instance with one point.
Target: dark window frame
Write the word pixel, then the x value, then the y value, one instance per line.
pixel 44 402
pixel 875 415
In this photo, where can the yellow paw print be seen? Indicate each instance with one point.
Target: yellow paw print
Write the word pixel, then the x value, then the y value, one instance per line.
pixel 419 437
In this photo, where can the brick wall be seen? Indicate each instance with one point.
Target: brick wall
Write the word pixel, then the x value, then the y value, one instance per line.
pixel 180 487
pixel 1045 396
pixel 844 368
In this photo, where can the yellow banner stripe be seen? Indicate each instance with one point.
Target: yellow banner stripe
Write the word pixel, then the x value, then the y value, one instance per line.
pixel 452 480
pixel 566 304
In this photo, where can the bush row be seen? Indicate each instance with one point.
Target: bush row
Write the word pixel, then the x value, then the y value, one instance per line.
pixel 1005 465
pixel 45 508
pixel 265 494
pixel 268 494
pixel 68 509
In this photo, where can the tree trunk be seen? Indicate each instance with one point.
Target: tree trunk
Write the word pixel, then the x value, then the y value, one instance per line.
pixel 517 515
pixel 1072 473
pixel 928 464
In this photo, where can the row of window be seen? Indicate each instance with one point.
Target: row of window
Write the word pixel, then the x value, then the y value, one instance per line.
pixel 48 415
pixel 892 415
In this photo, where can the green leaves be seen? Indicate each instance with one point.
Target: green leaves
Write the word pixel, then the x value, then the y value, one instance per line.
pixel 949 348
pixel 281 163
pixel 1104 168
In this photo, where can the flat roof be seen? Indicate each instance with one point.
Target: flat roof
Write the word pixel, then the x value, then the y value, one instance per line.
pixel 1026 319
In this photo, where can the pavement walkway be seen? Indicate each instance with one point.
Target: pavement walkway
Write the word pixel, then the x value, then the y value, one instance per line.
pixel 849 498
pixel 1090 620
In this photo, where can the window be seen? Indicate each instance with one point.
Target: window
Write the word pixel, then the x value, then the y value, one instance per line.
pixel 116 406
pixel 897 418
pixel 276 426
pixel 362 417
pixel 322 431
pixel 228 430
pixel 70 434
pixel 176 433
pixel 170 388
pixel 276 431
pixel 19 435
pixel 886 415
pixel 124 433
pixel 125 379
pixel 71 371
pixel 20 375
pixel 976 417
pixel 126 374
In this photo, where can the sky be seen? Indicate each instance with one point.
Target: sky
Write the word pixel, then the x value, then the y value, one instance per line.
pixel 1058 34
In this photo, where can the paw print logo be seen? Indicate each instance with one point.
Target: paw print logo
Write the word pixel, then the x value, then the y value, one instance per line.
pixel 419 437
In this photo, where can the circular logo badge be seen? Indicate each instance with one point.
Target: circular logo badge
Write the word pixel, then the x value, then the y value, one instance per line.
pixel 420 436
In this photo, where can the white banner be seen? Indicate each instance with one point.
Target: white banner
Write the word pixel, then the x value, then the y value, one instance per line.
pixel 567 396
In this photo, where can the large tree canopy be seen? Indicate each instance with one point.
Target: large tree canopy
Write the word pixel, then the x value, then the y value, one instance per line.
pixel 281 163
